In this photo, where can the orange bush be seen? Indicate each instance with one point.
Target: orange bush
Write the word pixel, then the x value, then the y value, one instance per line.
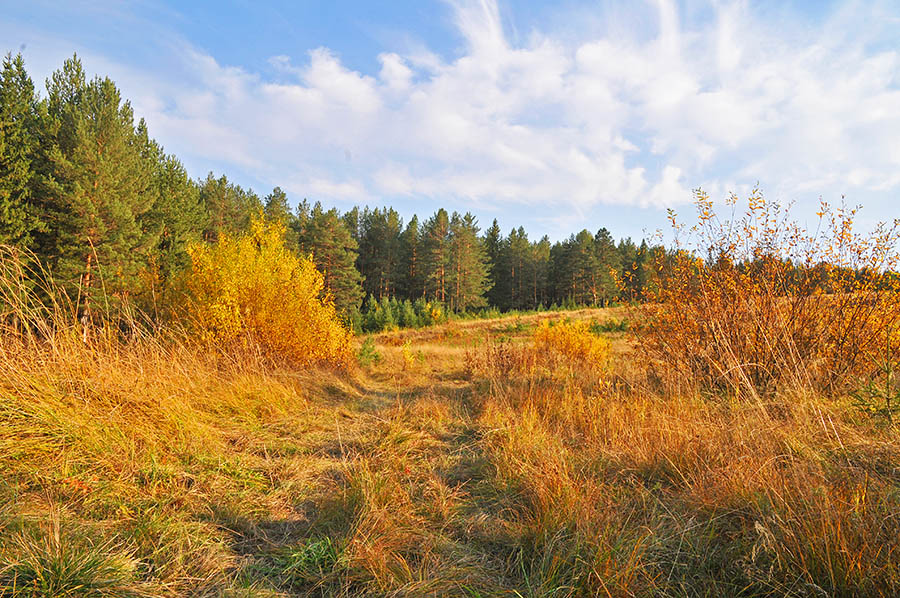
pixel 252 289
pixel 761 302
pixel 573 340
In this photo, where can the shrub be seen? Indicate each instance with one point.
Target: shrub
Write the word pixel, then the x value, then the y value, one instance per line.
pixel 367 353
pixel 252 288
pixel 384 315
pixel 758 303
pixel 407 317
pixel 609 325
pixel 573 340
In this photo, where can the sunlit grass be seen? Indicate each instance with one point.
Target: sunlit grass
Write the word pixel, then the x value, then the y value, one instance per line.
pixel 469 459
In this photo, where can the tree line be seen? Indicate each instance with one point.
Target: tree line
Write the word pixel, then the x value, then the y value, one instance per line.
pixel 110 214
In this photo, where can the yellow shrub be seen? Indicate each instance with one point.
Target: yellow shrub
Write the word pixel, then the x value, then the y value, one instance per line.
pixel 252 288
pixel 764 302
pixel 573 340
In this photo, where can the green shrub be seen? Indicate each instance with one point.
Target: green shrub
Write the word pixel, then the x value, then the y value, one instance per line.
pixel 367 353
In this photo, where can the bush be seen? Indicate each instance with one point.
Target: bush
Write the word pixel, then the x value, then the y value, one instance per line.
pixel 573 340
pixel 251 288
pixel 384 315
pixel 760 303
pixel 367 353
pixel 408 317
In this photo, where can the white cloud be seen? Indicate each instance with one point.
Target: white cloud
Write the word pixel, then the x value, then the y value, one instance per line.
pixel 622 120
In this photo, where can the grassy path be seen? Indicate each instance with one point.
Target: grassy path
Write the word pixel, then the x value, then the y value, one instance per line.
pixel 407 490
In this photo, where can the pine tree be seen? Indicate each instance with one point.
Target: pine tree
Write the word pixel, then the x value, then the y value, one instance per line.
pixel 99 185
pixel 628 276
pixel 229 208
pixel 410 283
pixel 277 208
pixel 514 258
pixel 468 264
pixel 609 262
pixel 176 217
pixel 436 255
pixel 493 246
pixel 19 147
pixel 538 267
pixel 325 236
pixel 586 269
pixel 351 219
pixel 379 251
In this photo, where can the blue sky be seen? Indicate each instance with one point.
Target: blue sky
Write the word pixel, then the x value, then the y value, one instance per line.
pixel 556 116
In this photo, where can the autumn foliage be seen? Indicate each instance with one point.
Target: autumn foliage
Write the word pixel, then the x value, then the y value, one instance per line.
pixel 250 289
pixel 761 302
pixel 572 340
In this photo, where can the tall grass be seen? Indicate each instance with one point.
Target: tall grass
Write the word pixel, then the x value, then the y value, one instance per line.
pixel 620 492
pixel 130 451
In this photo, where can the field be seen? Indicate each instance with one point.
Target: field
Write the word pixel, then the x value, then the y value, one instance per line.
pixel 456 460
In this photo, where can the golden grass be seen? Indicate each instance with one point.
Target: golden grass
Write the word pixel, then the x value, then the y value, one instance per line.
pixel 463 463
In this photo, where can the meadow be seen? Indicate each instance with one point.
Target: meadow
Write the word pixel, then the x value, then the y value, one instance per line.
pixel 734 436
pixel 463 460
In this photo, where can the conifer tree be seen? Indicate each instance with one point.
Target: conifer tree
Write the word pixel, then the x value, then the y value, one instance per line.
pixel 586 269
pixel 436 255
pixel 608 263
pixel 513 260
pixel 379 251
pixel 351 218
pixel 176 218
pixel 410 282
pixel 628 272
pixel 538 266
pixel 98 188
pixel 468 275
pixel 229 208
pixel 493 246
pixel 325 236
pixel 19 146
pixel 277 208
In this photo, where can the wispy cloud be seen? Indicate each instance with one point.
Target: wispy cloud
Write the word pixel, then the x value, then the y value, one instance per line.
pixel 558 124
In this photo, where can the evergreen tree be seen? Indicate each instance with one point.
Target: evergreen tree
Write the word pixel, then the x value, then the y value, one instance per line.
pixel 514 258
pixel 176 217
pixel 436 255
pixel 410 283
pixel 468 264
pixel 19 147
pixel 585 266
pixel 609 262
pixel 277 208
pixel 407 315
pixel 352 220
pixel 99 185
pixel 493 246
pixel 379 251
pixel 538 269
pixel 325 236
pixel 229 208
pixel 629 254
pixel 384 317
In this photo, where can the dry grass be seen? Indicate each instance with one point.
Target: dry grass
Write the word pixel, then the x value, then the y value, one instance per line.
pixel 462 463
pixel 683 496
